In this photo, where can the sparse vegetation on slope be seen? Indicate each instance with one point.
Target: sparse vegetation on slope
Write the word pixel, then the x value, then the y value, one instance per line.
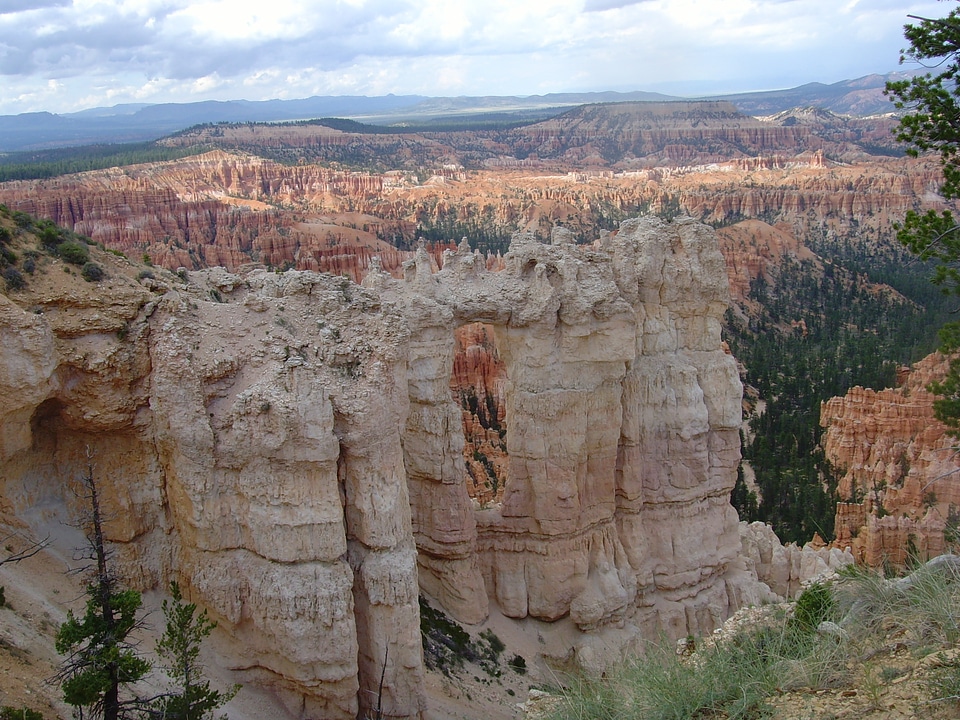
pixel 864 646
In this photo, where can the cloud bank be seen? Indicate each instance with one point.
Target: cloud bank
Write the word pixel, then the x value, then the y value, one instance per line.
pixel 67 55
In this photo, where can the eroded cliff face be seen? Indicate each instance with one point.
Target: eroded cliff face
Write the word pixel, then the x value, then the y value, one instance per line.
pixel 287 446
pixel 622 417
pixel 248 448
pixel 899 481
pixel 232 209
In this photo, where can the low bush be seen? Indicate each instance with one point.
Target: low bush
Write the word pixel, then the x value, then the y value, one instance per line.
pixel 13 279
pixel 445 644
pixel 23 713
pixel 92 272
pixel 815 604
pixel 74 252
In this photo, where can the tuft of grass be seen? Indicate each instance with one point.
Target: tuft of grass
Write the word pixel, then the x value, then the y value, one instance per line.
pixel 733 676
pixel 730 679
pixel 921 610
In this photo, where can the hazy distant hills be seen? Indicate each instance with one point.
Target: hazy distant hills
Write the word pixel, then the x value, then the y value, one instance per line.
pixel 140 122
pixel 861 97
pixel 134 123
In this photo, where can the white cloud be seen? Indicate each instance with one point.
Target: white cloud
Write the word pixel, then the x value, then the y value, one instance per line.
pixel 178 50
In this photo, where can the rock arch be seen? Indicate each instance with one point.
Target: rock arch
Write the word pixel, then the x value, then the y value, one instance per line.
pixel 623 439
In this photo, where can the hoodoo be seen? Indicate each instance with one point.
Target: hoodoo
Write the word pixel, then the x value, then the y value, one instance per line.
pixel 287 447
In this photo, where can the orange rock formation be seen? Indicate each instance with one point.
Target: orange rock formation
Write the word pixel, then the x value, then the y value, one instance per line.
pixel 899 470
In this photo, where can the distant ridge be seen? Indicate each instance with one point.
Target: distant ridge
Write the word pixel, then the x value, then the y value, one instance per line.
pixel 861 97
pixel 140 122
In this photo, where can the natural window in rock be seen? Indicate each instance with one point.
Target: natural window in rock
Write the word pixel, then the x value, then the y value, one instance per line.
pixel 477 383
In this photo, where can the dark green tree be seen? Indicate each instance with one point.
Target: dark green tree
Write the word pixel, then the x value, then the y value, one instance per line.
pixel 99 657
pixel 179 648
pixel 932 124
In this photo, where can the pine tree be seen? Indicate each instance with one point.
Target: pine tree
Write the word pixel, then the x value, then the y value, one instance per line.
pixel 179 648
pixel 99 657
pixel 933 124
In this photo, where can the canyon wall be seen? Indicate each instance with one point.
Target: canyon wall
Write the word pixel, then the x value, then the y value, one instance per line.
pixel 899 473
pixel 287 446
pixel 232 209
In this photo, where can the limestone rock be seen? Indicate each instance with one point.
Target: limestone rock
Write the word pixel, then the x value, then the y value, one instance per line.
pixel 287 446
pixel 785 569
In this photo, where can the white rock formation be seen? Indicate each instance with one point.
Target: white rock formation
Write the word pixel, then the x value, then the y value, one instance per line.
pixel 785 569
pixel 293 455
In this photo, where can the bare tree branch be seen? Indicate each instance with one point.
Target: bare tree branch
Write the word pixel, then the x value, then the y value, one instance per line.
pixel 32 549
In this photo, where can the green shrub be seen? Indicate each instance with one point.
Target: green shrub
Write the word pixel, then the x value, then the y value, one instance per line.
pixel 815 604
pixel 5 236
pixel 23 221
pixel 92 272
pixel 73 252
pixel 519 664
pixel 51 236
pixel 11 713
pixel 496 644
pixel 3 597
pixel 445 644
pixel 145 274
pixel 13 279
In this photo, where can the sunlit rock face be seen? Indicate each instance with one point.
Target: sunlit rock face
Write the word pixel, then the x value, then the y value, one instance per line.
pixel 287 446
pixel 621 418
pixel 897 468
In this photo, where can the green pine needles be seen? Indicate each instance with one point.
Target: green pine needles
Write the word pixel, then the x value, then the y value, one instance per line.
pixel 179 648
pixel 101 660
pixel 932 124
pixel 99 657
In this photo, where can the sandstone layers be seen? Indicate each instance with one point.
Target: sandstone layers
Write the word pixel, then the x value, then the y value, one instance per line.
pixel 288 447
pixel 899 470
pixel 233 209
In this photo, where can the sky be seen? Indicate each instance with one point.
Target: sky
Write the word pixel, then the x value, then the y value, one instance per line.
pixel 68 55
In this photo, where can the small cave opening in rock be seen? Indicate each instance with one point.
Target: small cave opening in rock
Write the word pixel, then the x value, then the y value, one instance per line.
pixel 46 426
pixel 478 384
